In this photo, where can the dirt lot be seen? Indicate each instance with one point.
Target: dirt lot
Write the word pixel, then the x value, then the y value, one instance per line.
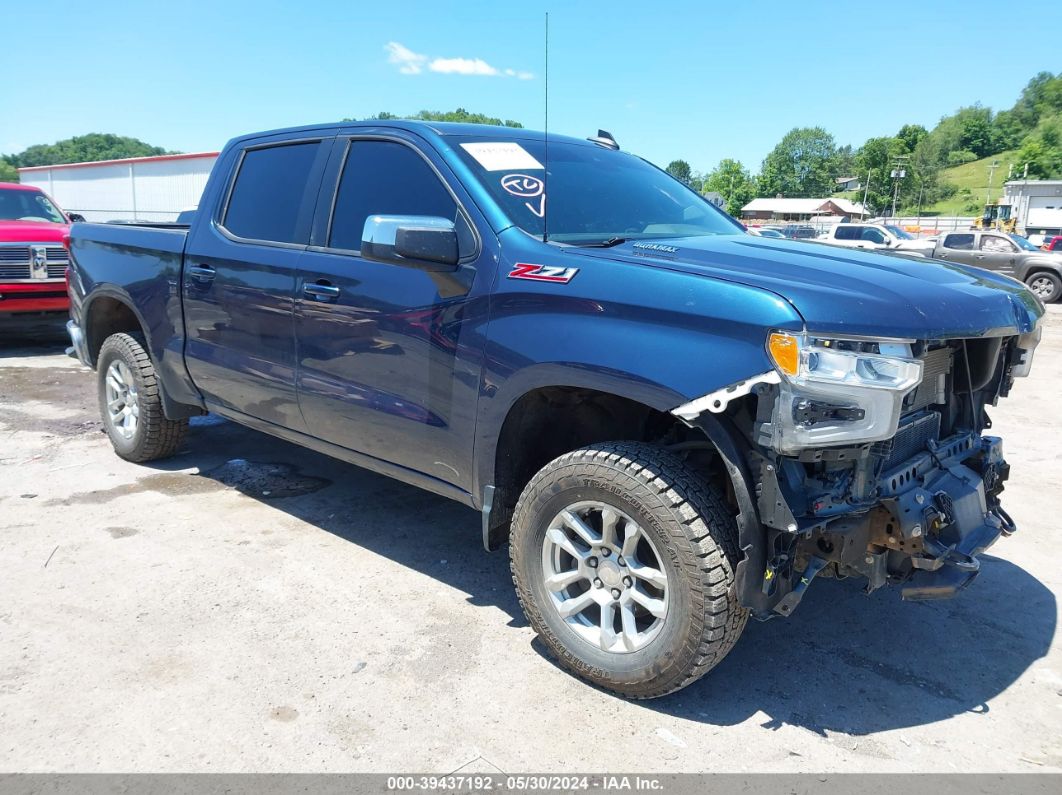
pixel 252 606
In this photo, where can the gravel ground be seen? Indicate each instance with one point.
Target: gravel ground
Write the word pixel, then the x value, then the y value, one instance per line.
pixel 252 606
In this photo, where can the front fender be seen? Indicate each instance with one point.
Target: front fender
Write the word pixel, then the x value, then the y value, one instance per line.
pixel 648 334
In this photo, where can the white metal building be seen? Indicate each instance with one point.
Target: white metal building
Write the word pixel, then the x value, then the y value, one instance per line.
pixel 141 188
pixel 1036 204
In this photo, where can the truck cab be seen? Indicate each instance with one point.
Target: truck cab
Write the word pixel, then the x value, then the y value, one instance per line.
pixel 33 258
pixel 875 237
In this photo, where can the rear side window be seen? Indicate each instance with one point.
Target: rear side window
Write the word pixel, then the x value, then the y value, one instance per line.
pixel 388 178
pixel 847 232
pixel 960 242
pixel 268 200
pixel 872 235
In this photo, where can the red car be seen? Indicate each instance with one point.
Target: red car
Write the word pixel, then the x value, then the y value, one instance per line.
pixel 33 259
pixel 1052 243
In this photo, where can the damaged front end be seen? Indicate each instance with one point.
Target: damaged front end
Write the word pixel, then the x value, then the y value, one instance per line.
pixel 862 457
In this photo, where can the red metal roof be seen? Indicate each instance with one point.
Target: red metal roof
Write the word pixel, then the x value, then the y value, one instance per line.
pixel 154 159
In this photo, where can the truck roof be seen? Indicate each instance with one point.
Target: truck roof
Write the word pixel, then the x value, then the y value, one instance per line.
pixel 19 186
pixel 439 128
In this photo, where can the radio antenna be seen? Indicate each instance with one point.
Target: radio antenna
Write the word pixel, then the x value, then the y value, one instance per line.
pixel 545 146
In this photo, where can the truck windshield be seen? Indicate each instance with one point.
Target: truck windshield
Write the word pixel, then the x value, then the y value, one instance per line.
pixel 1023 243
pixel 28 205
pixel 595 195
pixel 900 233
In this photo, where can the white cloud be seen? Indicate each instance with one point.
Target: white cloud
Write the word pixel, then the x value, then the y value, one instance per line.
pixel 407 61
pixel 463 66
pixel 413 63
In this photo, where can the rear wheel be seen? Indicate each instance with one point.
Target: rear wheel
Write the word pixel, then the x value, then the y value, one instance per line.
pixel 624 561
pixel 1046 286
pixel 130 403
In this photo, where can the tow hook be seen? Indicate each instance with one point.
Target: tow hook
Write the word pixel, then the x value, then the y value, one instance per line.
pixel 789 602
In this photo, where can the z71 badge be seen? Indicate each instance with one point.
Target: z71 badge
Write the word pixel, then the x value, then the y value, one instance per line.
pixel 542 273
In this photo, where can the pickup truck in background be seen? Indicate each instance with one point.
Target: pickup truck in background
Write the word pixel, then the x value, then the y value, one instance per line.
pixel 874 237
pixel 33 258
pixel 1005 253
pixel 675 424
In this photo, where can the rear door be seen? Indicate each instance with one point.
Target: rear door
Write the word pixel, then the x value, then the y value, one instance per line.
pixel 389 357
pixel 239 278
pixel 958 247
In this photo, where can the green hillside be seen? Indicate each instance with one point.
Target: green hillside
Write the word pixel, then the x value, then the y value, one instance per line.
pixel 971 182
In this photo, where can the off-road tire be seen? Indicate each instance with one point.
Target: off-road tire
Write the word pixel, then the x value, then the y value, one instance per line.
pixel 689 524
pixel 1052 279
pixel 155 436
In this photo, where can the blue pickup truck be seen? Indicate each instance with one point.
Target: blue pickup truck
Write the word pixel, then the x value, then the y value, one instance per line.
pixel 674 424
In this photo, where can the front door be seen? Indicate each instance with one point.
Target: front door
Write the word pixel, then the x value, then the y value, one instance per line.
pixel 239 281
pixel 389 356
pixel 997 253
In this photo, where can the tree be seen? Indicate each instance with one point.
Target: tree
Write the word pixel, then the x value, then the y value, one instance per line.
pixel 910 135
pixel 8 173
pixel 84 148
pixel 680 170
pixel 804 163
pixel 733 182
pixel 873 165
pixel 460 115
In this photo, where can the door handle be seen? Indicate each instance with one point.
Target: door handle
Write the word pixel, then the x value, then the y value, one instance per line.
pixel 321 290
pixel 979 256
pixel 203 273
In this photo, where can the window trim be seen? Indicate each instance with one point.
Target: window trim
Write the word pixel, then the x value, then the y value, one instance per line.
pixel 223 210
pixel 349 140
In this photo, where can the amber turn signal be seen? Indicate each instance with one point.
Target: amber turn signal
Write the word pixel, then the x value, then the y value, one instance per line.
pixel 785 351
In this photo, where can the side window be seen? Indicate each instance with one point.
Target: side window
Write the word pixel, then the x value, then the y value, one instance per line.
pixel 959 242
pixel 994 243
pixel 847 233
pixel 873 235
pixel 270 192
pixel 389 178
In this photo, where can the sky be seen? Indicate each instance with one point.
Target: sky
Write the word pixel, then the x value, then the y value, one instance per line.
pixel 693 80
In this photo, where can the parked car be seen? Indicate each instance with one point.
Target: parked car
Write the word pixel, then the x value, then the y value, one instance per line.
pixel 1052 243
pixel 33 259
pixel 876 236
pixel 1006 253
pixel 762 231
pixel 673 429
pixel 799 232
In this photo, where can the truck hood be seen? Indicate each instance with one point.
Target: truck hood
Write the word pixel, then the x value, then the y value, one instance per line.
pixel 841 291
pixel 32 232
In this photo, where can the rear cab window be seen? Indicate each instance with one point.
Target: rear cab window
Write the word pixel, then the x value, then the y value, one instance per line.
pixel 270 199
pixel 959 242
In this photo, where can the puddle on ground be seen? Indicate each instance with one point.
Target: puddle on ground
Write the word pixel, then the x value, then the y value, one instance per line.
pixel 265 481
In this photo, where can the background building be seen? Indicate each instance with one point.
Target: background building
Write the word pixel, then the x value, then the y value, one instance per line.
pixel 140 188
pixel 1036 205
pixel 801 210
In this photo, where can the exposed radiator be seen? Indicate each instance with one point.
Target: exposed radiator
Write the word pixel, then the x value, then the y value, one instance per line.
pixel 911 439
pixel 936 365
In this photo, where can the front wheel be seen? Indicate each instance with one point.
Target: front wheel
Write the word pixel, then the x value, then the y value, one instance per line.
pixel 624 561
pixel 130 403
pixel 1046 286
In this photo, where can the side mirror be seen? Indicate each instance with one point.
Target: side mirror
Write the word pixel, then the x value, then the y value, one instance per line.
pixel 413 241
pixel 76 218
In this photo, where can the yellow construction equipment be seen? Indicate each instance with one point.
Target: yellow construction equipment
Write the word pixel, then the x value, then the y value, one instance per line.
pixel 997 215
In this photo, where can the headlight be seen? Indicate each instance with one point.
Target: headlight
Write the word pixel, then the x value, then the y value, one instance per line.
pixel 836 391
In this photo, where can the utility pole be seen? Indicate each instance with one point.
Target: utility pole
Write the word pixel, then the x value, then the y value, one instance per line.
pixel 899 171
pixel 866 190
pixel 991 173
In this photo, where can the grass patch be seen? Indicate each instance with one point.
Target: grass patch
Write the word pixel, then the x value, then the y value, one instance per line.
pixel 971 179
